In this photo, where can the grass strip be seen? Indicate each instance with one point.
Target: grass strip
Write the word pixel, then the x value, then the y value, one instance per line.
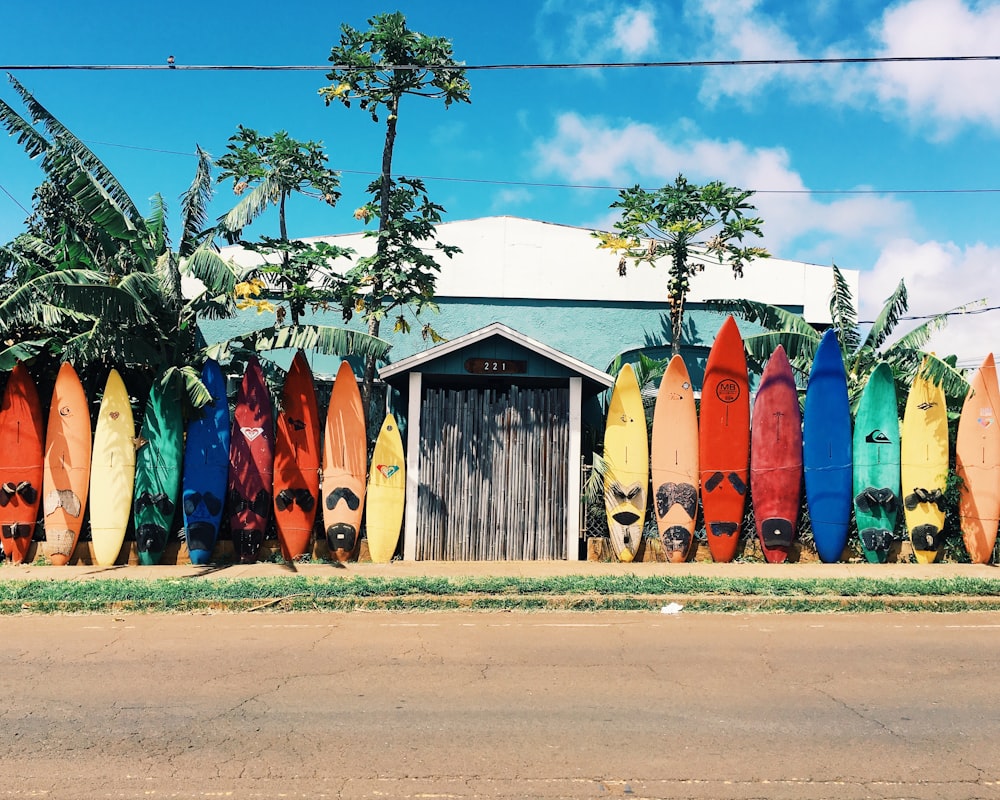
pixel 629 592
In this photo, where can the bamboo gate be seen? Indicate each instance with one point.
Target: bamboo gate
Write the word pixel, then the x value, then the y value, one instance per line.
pixel 493 474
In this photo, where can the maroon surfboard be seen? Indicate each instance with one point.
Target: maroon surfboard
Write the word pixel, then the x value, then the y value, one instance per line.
pixel 251 458
pixel 776 458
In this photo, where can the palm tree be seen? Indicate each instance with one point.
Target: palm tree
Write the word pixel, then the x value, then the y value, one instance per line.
pixel 861 351
pixel 94 280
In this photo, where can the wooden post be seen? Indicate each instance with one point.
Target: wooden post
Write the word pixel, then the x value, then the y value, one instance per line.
pixel 573 470
pixel 412 469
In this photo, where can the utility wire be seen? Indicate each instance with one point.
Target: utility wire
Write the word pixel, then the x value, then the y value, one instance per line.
pixel 758 62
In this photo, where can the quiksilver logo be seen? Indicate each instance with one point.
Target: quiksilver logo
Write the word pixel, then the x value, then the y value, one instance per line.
pixel 877 437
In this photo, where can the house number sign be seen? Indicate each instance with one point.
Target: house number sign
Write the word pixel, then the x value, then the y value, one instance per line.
pixel 495 366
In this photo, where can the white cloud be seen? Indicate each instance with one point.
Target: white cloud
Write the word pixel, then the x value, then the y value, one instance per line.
pixel 941 94
pixel 596 30
pixel 588 150
pixel 635 31
pixel 940 276
pixel 938 96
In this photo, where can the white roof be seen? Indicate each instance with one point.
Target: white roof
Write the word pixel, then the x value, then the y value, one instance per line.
pixel 515 258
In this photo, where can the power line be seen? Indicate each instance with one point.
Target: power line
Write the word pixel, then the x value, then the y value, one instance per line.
pixel 753 62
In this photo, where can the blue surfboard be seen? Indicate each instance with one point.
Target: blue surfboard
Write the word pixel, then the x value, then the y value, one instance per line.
pixel 206 468
pixel 826 450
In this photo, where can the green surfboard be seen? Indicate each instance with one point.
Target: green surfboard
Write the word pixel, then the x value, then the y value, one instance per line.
pixel 158 459
pixel 876 465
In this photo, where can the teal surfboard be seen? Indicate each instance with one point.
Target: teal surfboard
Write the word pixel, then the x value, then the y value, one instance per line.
pixel 158 459
pixel 876 465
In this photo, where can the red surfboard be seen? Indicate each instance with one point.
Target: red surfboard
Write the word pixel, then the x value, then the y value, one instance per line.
pixel 724 441
pixel 251 459
pixel 20 463
pixel 296 460
pixel 776 458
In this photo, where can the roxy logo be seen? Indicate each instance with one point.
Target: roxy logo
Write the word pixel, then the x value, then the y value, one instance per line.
pixel 252 433
pixel 387 470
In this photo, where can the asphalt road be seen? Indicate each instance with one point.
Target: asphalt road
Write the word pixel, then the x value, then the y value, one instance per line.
pixel 500 705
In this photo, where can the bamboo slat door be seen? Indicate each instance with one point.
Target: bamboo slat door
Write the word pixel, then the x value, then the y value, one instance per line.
pixel 493 481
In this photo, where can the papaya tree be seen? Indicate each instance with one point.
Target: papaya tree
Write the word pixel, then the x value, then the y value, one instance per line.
pixel 377 68
pixel 266 171
pixel 687 226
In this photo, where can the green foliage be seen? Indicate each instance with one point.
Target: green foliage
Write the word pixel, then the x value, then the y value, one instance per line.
pixel 688 226
pixel 378 66
pixel 573 592
pixel 862 351
pixel 94 281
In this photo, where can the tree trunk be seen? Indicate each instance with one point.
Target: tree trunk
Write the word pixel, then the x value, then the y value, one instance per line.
pixel 283 232
pixel 392 109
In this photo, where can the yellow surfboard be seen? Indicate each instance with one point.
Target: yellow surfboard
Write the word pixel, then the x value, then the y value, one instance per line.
pixel 924 466
pixel 386 493
pixel 626 459
pixel 112 474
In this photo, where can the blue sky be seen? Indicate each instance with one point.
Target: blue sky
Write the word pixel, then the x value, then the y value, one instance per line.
pixel 531 141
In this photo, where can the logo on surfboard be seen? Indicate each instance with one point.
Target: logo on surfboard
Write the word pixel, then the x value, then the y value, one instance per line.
pixel 387 470
pixel 877 437
pixel 728 391
pixel 252 434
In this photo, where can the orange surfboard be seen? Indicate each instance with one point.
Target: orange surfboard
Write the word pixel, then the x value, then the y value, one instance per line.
pixel 345 465
pixel 296 460
pixel 20 463
pixel 675 462
pixel 724 441
pixel 66 478
pixel 977 461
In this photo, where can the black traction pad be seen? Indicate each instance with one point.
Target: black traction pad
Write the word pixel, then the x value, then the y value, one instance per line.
pixel 683 494
pixel 723 528
pixel 926 537
pixel 341 536
pixel 150 537
pixel 935 496
pixel 247 542
pixel 872 497
pixel 16 530
pixel 676 539
pixel 878 540
pixel 777 532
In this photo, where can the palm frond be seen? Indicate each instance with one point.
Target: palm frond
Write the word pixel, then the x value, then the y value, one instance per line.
pixel 34 303
pixel 156 224
pixel 113 305
pixel 907 363
pixel 800 347
pixel 888 318
pixel 772 317
pixel 194 205
pixel 169 280
pixel 27 135
pixel 844 313
pixel 190 379
pixel 918 338
pixel 218 275
pixel 231 224
pixel 25 350
pixel 88 161
pixel 324 339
